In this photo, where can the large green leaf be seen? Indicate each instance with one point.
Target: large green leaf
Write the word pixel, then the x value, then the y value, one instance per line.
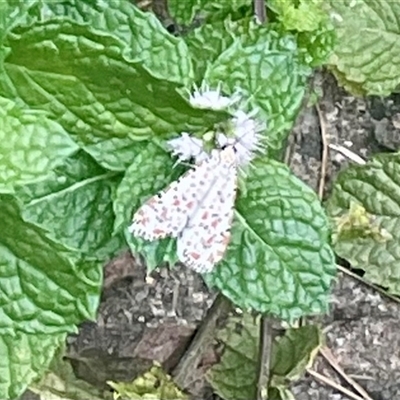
pixel 45 288
pixel 376 187
pixel 141 35
pixel 31 145
pixel 81 77
pixel 75 205
pixel 24 358
pixel 367 54
pixel 279 260
pixel 266 67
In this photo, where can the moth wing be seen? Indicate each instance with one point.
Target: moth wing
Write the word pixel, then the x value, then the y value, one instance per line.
pixel 204 241
pixel 168 212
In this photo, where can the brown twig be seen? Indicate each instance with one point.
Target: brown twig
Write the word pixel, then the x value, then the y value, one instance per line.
pixel 325 152
pixel 184 373
pixel 333 384
pixel 264 360
pixel 327 354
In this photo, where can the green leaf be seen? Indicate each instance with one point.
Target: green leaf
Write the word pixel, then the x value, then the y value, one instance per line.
pixel 367 53
pixel 294 353
pixel 154 384
pixel 75 205
pixel 265 66
pixel 141 35
pixel 141 181
pixel 374 186
pixel 185 12
pixel 83 80
pixel 314 30
pixel 299 15
pixel 31 145
pixel 24 358
pixel 235 376
pixel 117 152
pixel 12 14
pixel 60 383
pixel 207 42
pixel 279 260
pixel 316 47
pixel 280 393
pixel 33 269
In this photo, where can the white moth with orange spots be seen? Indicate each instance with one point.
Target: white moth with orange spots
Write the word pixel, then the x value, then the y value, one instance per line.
pixel 197 209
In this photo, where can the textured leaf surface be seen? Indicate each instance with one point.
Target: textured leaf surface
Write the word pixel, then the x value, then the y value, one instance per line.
pixel 235 377
pixel 24 358
pixel 44 287
pixel 314 29
pixel 153 384
pixel 266 67
pixel 83 80
pixel 13 13
pixel 367 55
pixel 375 186
pixel 143 180
pixel 119 152
pixel 31 145
pixel 60 383
pixel 141 35
pixel 185 11
pixel 279 260
pixel 303 15
pixel 294 353
pixel 75 205
pixel 207 42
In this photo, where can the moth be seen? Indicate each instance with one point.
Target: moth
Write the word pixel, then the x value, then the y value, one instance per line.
pixel 197 210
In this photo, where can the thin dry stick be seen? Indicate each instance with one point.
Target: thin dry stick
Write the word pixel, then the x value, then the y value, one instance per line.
pixel 366 283
pixel 335 385
pixel 325 149
pixel 260 11
pixel 186 369
pixel 347 153
pixel 327 354
pixel 264 361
